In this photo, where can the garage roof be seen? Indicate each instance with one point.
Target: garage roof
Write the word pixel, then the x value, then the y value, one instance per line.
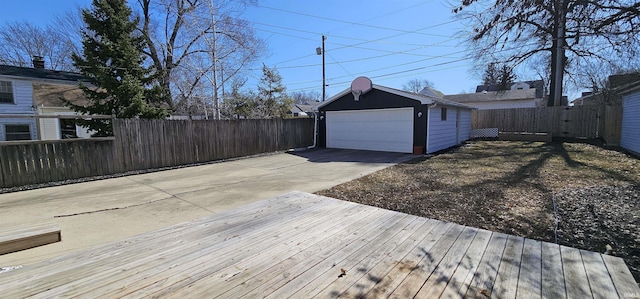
pixel 424 99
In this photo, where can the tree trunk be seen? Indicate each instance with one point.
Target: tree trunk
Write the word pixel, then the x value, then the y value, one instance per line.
pixel 558 54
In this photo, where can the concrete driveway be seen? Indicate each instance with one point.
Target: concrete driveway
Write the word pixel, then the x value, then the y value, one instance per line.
pixel 102 211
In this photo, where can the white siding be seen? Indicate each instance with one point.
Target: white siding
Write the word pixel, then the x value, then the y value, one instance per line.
pixel 441 134
pixel 502 104
pixel 23 103
pixel 49 128
pixel 630 132
pixel 388 130
pixel 22 97
pixel 464 128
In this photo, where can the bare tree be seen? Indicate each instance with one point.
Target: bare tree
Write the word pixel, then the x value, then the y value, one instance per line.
pixel 566 32
pixel 304 97
pixel 417 85
pixel 191 42
pixel 21 41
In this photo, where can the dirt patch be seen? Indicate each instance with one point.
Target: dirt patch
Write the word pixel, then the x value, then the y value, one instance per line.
pixel 511 187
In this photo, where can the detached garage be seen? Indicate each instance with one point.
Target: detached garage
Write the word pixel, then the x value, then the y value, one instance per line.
pixel 630 130
pixel 378 118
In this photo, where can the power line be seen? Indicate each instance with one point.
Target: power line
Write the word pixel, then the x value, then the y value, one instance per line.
pixel 340 65
pixel 348 22
pixel 396 65
pixel 390 13
pixel 383 76
pixel 409 70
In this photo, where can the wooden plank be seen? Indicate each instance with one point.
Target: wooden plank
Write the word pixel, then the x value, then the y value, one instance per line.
pixel 279 282
pixel 530 279
pixel 359 287
pixel 483 280
pixel 622 279
pixel 22 237
pixel 5 168
pixel 466 271
pixel 601 284
pixel 552 273
pixel 506 281
pixel 441 276
pixel 412 261
pixel 575 276
pixel 359 261
pixel 431 258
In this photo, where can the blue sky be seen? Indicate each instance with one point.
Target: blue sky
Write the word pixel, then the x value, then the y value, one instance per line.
pixel 389 41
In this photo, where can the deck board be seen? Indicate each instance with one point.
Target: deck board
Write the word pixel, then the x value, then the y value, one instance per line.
pixel 296 244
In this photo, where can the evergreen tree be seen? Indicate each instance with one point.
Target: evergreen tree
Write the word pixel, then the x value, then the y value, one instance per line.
pixel 272 98
pixel 499 75
pixel 112 62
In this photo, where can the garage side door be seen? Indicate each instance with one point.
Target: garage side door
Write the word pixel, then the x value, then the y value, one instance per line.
pixel 389 130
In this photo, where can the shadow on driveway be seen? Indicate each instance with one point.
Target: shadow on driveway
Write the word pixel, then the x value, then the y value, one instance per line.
pixel 323 155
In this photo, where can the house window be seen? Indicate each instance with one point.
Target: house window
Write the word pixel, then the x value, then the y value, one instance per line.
pixel 68 128
pixel 443 113
pixel 6 92
pixel 17 132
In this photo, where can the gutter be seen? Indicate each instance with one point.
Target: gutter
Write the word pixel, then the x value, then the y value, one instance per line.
pixel 426 151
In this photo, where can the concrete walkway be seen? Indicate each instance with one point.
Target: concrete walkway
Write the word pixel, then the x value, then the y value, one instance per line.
pixel 113 209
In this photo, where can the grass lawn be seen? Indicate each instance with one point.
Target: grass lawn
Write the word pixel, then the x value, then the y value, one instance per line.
pixel 511 187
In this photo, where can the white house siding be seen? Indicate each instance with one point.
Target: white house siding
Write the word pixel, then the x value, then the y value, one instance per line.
pixel 630 132
pixel 50 127
pixel 441 134
pixel 464 127
pixel 502 104
pixel 23 104
pixel 22 97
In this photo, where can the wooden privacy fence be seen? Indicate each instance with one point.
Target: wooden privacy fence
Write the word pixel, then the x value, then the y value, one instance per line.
pixel 146 144
pixel 589 121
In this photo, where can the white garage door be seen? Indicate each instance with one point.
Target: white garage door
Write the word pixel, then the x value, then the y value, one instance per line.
pixel 389 130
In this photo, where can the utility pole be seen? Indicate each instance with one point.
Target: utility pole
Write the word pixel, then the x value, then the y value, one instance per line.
pixel 320 51
pixel 216 104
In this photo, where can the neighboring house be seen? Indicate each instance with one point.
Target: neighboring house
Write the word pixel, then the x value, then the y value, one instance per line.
pixel 47 99
pixel 587 98
pixel 301 110
pixel 630 129
pixel 37 91
pixel 525 94
pixel 388 119
pixel 610 95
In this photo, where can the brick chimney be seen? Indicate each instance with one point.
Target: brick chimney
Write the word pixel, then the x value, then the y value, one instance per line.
pixel 38 62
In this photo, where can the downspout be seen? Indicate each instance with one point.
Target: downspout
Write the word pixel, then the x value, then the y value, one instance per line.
pixel 426 151
pixel 315 129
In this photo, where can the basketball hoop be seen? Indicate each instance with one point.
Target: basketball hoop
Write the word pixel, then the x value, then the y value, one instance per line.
pixel 360 86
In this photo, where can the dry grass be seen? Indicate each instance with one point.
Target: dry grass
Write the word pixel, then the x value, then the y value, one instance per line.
pixel 509 187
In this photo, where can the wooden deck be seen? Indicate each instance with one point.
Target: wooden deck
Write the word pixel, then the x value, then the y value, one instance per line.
pixel 301 245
